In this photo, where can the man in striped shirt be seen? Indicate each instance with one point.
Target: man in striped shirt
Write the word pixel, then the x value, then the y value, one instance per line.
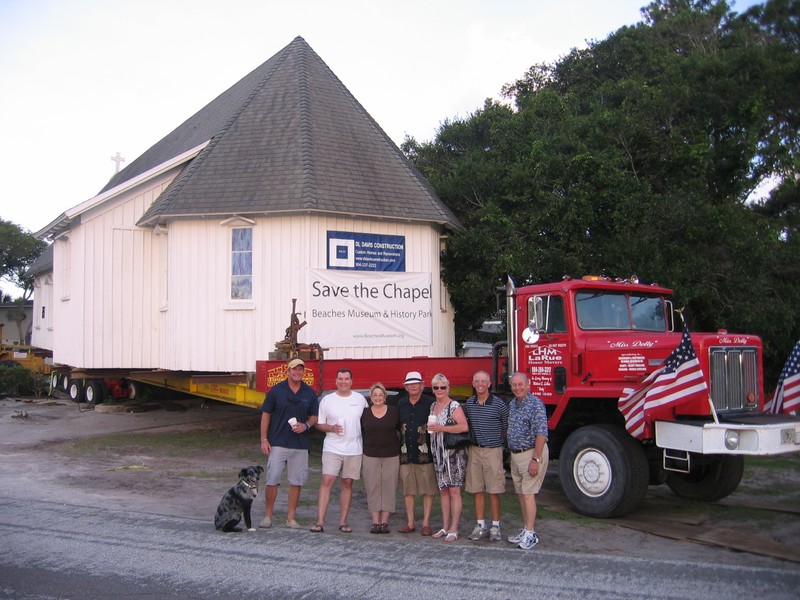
pixel 488 420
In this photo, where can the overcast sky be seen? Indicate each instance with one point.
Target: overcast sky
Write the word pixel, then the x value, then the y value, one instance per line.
pixel 81 80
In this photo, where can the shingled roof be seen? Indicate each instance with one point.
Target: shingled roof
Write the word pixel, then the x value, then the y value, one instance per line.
pixel 288 137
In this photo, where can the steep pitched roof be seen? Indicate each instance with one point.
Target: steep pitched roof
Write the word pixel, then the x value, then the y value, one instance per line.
pixel 43 264
pixel 288 137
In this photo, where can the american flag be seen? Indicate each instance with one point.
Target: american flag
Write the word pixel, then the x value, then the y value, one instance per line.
pixel 787 395
pixel 679 379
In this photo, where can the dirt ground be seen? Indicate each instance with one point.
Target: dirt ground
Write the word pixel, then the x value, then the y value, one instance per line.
pixel 70 453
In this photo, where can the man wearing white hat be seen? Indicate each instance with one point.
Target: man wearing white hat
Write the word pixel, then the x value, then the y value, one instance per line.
pixel 289 411
pixel 417 475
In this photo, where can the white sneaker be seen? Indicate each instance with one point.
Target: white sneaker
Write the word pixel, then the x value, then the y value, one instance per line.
pixel 477 533
pixel 266 523
pixel 517 537
pixel 529 541
pixel 494 533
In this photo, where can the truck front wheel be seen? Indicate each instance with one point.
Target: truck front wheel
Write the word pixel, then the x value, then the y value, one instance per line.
pixel 603 471
pixel 710 478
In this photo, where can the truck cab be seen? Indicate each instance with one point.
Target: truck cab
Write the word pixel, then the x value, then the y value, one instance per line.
pixel 585 343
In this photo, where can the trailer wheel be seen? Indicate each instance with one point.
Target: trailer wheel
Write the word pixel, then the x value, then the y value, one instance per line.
pixel 133 389
pixel 53 383
pixel 603 471
pixel 710 478
pixel 65 382
pixel 75 390
pixel 93 392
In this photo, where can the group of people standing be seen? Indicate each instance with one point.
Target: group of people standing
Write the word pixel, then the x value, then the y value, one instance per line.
pixel 405 445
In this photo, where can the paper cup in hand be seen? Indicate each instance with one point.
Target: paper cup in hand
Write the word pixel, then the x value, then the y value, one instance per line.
pixel 431 420
pixel 292 422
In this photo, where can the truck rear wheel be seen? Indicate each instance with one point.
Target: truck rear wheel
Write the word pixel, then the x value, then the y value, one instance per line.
pixel 710 478
pixel 603 471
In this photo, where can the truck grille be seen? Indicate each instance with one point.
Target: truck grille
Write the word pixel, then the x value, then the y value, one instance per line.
pixel 734 378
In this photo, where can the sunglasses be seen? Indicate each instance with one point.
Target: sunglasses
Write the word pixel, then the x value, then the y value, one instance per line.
pixel 438 387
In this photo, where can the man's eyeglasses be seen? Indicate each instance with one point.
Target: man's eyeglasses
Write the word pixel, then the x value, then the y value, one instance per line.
pixel 438 387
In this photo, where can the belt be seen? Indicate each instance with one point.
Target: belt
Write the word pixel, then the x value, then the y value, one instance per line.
pixel 521 450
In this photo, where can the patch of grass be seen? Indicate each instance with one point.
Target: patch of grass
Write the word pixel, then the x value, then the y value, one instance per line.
pixel 780 462
pixel 204 475
pixel 543 512
pixel 174 443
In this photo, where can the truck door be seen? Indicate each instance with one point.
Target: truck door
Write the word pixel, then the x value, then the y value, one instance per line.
pixel 544 348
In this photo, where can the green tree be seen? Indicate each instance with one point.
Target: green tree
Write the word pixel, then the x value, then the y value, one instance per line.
pixel 18 250
pixel 639 155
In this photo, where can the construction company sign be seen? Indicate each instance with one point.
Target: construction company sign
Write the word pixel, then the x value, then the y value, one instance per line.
pixel 366 251
pixel 354 308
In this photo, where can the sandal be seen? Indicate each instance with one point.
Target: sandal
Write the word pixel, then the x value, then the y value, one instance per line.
pixel 384 528
pixel 345 529
pixel 440 534
pixel 317 529
pixel 376 528
pixel 451 536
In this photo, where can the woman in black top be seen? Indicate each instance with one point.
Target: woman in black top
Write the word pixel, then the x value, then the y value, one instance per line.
pixel 381 462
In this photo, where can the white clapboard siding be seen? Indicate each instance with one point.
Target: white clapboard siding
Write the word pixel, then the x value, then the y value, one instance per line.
pixel 205 331
pixel 107 285
pixel 129 297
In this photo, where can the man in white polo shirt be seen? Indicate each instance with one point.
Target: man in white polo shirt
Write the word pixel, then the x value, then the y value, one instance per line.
pixel 340 420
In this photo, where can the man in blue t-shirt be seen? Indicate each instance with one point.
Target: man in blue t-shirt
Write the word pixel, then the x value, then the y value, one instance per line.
pixel 289 411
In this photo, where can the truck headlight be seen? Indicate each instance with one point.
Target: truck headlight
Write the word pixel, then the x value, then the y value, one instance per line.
pixel 731 439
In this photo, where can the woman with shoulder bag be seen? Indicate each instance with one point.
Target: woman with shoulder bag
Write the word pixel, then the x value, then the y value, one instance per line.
pixel 447 416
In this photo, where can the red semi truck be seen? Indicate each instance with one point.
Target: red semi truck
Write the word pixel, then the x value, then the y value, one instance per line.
pixel 583 342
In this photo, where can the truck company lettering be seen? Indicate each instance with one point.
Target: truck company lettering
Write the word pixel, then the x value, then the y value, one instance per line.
pixel 544 354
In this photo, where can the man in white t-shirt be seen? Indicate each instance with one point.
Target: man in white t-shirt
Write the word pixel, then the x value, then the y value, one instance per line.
pixel 340 420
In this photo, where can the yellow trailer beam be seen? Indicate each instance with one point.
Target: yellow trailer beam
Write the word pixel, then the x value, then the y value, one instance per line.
pixel 227 388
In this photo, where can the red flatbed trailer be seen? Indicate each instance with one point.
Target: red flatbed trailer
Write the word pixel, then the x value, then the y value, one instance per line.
pixel 391 372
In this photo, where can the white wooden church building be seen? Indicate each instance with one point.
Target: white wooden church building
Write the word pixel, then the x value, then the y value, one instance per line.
pixel 281 188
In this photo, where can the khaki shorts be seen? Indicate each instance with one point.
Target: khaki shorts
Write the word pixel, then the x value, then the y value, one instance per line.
pixel 418 479
pixel 294 462
pixel 339 465
pixel 523 482
pixel 485 471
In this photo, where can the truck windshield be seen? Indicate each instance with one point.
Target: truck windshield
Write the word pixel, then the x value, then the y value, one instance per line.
pixel 600 310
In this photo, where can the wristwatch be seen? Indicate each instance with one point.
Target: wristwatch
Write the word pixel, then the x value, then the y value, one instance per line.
pixel 538 460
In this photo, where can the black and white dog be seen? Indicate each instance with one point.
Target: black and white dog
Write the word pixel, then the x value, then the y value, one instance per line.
pixel 238 500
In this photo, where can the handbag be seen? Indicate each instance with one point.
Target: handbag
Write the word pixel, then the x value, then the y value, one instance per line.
pixel 453 441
